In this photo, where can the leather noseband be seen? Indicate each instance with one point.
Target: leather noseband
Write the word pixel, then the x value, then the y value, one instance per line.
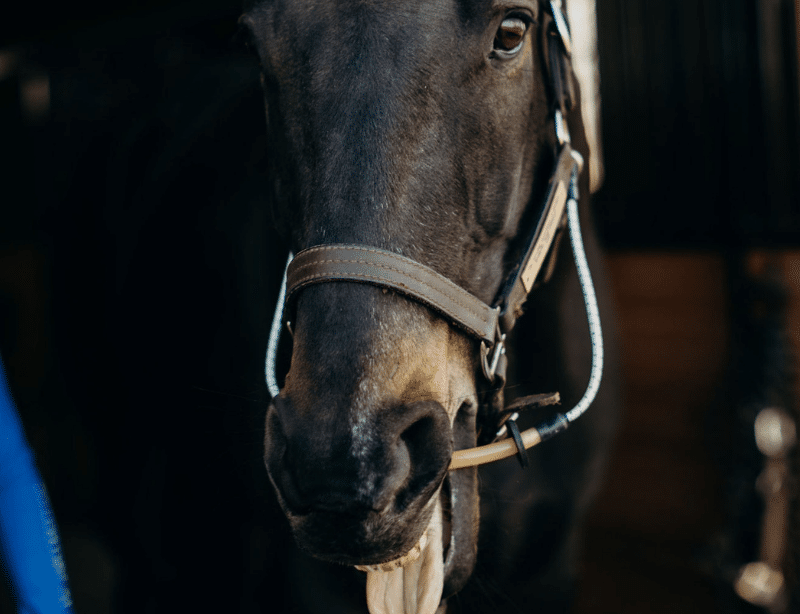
pixel 370 265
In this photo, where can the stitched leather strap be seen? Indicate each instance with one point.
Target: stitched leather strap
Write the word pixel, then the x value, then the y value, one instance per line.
pixel 370 265
pixel 540 242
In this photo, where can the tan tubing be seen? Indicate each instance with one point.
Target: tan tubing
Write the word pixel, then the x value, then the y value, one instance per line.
pixel 493 452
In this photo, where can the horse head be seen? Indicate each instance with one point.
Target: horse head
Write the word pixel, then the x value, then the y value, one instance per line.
pixel 421 128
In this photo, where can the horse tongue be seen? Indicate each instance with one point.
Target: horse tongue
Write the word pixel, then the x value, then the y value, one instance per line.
pixel 415 588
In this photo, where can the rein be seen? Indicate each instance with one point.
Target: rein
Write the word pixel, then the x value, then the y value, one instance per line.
pixel 489 324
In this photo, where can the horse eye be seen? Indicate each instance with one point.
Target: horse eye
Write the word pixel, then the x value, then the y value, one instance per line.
pixel 510 35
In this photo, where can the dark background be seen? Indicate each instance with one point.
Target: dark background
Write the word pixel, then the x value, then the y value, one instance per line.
pixel 138 268
pixel 700 122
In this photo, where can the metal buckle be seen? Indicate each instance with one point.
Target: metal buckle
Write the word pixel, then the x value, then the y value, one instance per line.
pixel 489 366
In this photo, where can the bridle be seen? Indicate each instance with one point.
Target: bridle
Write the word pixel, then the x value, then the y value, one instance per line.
pixel 489 324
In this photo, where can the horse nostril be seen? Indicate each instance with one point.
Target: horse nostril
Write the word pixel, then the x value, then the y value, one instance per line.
pixel 419 438
pixel 286 485
pixel 429 447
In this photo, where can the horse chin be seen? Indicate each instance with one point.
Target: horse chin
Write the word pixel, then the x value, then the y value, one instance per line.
pixel 370 539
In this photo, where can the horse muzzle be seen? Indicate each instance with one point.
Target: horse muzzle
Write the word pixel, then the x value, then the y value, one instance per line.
pixel 357 492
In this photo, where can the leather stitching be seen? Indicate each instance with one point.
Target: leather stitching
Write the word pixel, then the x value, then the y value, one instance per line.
pixel 450 285
pixel 388 268
pixel 448 290
pixel 383 282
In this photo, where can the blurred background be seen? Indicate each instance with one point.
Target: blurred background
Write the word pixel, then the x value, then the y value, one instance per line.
pixel 138 276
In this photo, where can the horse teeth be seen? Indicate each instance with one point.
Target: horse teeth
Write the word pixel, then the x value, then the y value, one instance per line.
pixel 417 587
pixel 409 557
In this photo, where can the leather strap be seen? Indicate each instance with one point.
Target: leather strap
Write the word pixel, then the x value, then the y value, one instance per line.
pixel 558 51
pixel 370 265
pixel 540 242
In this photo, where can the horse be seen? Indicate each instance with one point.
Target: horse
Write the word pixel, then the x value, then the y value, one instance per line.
pixel 412 145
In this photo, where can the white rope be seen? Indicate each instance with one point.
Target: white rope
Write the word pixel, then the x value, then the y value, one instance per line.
pixel 275 336
pixel 592 312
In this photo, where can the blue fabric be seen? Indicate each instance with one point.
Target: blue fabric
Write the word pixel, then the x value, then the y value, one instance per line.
pixel 28 534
